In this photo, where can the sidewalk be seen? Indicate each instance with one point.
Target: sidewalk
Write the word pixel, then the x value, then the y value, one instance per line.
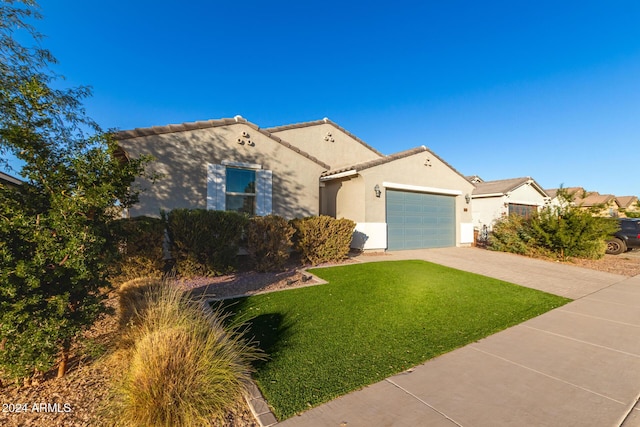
pixel 578 365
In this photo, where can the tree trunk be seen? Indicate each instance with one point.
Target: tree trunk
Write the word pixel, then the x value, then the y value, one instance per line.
pixel 62 367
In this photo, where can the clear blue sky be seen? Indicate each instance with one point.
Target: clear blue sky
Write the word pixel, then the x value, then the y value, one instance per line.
pixel 501 89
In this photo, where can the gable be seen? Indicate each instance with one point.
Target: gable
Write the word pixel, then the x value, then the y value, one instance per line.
pixel 183 155
pixel 327 142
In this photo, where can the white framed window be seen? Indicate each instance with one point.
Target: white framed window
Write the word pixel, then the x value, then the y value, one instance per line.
pixel 240 191
pixel 239 187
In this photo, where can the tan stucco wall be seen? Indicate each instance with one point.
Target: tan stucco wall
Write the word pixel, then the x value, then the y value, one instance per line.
pixel 183 157
pixel 607 211
pixel 349 200
pixel 526 195
pixel 343 151
pixel 412 171
pixel 487 210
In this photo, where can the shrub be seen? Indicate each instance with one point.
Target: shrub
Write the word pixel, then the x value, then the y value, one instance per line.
pixel 140 243
pixel 204 242
pixel 269 242
pixel 572 232
pixel 323 238
pixel 512 234
pixel 559 232
pixel 185 366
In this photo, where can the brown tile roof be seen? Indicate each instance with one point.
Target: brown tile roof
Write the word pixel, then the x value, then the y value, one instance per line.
pixel 320 122
pixel 503 186
pixel 573 191
pixel 626 201
pixel 594 198
pixel 183 127
pixel 387 159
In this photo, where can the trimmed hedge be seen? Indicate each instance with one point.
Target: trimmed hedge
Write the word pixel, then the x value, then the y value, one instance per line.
pixel 205 242
pixel 323 238
pixel 269 242
pixel 140 243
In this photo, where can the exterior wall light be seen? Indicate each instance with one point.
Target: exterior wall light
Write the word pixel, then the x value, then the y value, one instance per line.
pixel 467 198
pixel 377 190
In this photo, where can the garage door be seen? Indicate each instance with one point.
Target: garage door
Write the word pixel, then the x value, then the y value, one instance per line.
pixel 419 220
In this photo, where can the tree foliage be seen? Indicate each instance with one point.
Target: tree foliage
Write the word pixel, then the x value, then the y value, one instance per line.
pixel 54 229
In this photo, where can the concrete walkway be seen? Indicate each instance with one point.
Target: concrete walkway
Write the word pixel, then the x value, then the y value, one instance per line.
pixel 578 365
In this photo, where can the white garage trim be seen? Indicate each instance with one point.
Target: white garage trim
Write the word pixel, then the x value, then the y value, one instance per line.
pixel 370 236
pixel 421 189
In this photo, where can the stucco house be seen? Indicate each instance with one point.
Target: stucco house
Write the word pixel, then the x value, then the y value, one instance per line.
pixel 604 205
pixel 573 192
pixel 627 204
pixel 411 199
pixel 493 200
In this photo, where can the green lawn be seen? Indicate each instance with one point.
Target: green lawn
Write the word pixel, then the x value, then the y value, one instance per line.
pixel 371 321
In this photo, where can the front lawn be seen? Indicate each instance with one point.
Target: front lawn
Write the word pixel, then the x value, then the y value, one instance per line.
pixel 371 321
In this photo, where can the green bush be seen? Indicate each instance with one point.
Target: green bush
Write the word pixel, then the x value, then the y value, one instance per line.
pixel 323 238
pixel 512 234
pixel 572 232
pixel 269 242
pixel 559 232
pixel 204 242
pixel 140 246
pixel 183 365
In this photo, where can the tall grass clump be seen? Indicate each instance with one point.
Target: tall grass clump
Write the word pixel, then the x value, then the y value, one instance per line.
pixel 184 367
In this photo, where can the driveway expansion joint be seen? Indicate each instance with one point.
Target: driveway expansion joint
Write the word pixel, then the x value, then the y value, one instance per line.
pixel 423 401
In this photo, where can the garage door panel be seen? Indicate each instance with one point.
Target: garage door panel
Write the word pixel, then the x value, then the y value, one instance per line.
pixel 419 220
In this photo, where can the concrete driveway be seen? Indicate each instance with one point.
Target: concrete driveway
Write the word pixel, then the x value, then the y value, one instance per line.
pixel 578 365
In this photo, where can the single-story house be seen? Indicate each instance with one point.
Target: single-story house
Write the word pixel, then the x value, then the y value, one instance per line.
pixel 604 205
pixel 411 199
pixel 493 200
pixel 9 181
pixel 574 194
pixel 627 204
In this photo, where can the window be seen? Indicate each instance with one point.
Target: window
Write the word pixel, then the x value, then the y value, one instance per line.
pixel 241 190
pixel 240 187
pixel 523 210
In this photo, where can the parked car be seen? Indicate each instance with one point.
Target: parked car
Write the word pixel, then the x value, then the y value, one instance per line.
pixel 626 238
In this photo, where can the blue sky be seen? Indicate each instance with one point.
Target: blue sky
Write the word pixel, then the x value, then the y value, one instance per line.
pixel 501 89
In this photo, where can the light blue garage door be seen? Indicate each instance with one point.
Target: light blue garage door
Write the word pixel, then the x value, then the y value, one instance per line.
pixel 419 220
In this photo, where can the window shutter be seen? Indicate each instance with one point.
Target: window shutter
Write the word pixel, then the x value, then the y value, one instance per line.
pixel 216 197
pixel 264 204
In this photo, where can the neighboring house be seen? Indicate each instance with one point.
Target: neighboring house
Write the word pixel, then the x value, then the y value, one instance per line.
pixel 411 199
pixel 493 200
pixel 9 181
pixel 627 204
pixel 572 192
pixel 604 205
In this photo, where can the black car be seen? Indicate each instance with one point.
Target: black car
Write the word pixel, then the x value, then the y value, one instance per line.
pixel 627 237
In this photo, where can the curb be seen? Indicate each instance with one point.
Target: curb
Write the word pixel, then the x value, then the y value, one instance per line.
pixel 259 407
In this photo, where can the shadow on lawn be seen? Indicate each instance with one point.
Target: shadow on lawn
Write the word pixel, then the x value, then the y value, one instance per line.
pixel 268 331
